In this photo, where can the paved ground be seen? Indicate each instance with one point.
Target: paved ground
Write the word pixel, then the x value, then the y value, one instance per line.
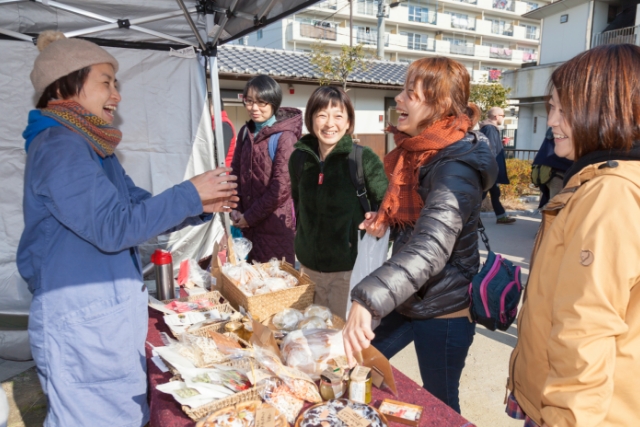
pixel 482 387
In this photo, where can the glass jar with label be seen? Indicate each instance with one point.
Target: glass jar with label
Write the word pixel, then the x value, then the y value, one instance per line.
pixel 332 385
pixel 360 385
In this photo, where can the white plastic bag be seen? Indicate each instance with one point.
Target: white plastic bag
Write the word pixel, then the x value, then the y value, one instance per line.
pixel 372 253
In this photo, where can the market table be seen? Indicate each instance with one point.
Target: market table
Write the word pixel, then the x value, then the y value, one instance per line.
pixel 166 412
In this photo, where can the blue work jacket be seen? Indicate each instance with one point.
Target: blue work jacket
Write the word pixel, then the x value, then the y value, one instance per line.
pixel 84 218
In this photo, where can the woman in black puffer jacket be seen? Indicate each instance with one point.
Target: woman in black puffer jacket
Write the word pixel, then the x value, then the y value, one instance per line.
pixel 437 175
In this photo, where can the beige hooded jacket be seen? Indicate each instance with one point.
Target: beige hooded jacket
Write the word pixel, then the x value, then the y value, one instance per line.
pixel 577 361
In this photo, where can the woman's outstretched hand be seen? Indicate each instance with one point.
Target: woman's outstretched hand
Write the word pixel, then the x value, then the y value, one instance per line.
pixel 370 227
pixel 217 191
pixel 357 332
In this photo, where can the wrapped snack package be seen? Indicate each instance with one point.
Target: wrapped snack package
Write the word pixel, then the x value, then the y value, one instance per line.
pixel 313 322
pixel 206 349
pixel 277 394
pixel 242 246
pixel 312 351
pixel 192 396
pixel 301 385
pixel 216 377
pixel 287 319
pixel 241 273
pixel 318 311
pixel 191 275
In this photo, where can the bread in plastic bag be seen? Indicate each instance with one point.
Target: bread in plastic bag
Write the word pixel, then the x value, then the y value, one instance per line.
pixel 313 322
pixel 191 275
pixel 319 311
pixel 287 319
pixel 280 396
pixel 312 351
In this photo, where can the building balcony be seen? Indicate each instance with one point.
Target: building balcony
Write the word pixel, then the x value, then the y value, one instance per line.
pixel 622 35
pixel 318 32
pixel 502 7
pixel 370 38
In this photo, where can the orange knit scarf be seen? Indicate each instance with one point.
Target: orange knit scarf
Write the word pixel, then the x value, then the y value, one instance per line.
pixel 402 202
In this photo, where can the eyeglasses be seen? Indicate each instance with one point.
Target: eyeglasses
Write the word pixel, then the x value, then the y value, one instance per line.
pixel 249 103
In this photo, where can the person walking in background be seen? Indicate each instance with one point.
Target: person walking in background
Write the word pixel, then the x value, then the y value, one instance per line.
pixel 548 169
pixel 576 361
pixel 437 175
pixel 260 161
pixel 228 134
pixel 327 205
pixel 489 127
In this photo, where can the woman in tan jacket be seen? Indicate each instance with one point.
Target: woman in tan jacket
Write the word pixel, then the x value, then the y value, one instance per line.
pixel 577 361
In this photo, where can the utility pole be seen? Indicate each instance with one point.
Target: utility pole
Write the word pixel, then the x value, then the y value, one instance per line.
pixel 350 23
pixel 381 30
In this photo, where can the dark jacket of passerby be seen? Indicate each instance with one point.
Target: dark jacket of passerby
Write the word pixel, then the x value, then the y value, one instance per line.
pixel 495 144
pixel 546 156
pixel 434 261
pixel 264 186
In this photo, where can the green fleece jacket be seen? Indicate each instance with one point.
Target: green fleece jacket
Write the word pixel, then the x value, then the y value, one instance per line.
pixel 329 213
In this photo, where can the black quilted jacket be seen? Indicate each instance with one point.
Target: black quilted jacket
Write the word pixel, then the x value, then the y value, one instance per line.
pixel 433 262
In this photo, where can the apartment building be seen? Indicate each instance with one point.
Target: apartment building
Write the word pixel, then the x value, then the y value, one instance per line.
pixel 487 36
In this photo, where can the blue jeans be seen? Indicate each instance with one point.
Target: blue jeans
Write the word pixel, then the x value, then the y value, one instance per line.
pixel 441 346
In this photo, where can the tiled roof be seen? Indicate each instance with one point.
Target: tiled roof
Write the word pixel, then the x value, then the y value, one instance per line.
pixel 295 65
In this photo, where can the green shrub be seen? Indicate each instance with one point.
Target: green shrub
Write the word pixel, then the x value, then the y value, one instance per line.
pixel 519 172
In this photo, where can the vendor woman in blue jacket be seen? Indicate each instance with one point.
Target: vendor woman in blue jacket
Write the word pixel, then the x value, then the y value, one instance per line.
pixel 84 218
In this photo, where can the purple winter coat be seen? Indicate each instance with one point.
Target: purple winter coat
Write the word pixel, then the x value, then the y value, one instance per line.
pixel 264 186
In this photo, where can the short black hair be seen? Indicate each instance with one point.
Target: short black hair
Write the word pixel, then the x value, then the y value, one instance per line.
pixel 328 96
pixel 266 89
pixel 65 87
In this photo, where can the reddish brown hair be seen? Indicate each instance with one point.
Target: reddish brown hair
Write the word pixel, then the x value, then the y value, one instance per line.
pixel 328 96
pixel 445 88
pixel 599 93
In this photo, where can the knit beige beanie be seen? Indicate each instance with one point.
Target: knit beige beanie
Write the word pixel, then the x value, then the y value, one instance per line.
pixel 60 56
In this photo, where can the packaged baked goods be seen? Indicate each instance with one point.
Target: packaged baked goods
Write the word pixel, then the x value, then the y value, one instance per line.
pixel 311 351
pixel 301 384
pixel 243 414
pixel 193 395
pixel 287 319
pixel 318 311
pixel 401 412
pixel 282 398
pixel 313 322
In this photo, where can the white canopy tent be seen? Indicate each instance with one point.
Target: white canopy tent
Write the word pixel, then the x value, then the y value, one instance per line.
pixel 164 114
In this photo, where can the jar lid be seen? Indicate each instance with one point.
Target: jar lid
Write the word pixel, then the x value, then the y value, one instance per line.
pixel 161 257
pixel 329 376
pixel 233 326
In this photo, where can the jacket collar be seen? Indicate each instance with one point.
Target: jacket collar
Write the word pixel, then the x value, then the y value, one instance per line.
pixel 309 143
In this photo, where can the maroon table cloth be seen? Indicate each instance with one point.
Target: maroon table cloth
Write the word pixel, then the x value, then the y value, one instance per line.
pixel 166 412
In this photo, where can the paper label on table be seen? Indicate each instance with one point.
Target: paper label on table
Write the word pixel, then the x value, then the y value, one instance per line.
pixel 160 364
pixel 352 418
pixel 360 373
pixel 265 417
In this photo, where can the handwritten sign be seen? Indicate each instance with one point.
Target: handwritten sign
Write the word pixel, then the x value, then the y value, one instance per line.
pixel 352 418
pixel 265 417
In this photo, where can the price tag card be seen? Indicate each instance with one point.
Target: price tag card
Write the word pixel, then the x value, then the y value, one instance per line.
pixel 352 418
pixel 265 417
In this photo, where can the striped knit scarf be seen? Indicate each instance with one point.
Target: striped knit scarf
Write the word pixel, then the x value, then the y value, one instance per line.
pixel 402 203
pixel 100 135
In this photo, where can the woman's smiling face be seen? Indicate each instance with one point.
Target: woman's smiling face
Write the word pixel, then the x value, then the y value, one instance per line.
pixel 99 94
pixel 330 124
pixel 562 134
pixel 412 107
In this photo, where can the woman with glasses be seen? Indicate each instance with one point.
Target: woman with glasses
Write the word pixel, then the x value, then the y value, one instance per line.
pixel 260 161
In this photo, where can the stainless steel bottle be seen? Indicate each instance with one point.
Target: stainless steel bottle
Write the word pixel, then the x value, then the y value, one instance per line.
pixel 163 263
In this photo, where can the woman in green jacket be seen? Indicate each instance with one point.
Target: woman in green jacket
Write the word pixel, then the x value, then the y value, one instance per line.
pixel 328 209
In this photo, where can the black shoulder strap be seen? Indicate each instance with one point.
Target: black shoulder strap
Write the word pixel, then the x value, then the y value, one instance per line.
pixel 483 235
pixel 357 176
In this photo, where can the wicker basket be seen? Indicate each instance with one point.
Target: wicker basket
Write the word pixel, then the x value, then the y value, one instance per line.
pixel 265 305
pixel 244 396
pixel 215 297
pixel 336 320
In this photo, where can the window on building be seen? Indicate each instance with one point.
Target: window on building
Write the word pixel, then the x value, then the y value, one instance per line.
pixel 461 20
pixel 417 41
pixel 498 26
pixel 531 5
pixel 460 46
pixel 367 7
pixel 532 32
pixel 366 35
pixel 259 34
pixel 419 14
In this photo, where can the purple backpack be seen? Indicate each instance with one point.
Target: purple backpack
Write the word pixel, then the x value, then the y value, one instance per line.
pixel 495 291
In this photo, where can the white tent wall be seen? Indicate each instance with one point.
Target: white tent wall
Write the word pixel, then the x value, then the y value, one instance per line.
pixel 167 138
